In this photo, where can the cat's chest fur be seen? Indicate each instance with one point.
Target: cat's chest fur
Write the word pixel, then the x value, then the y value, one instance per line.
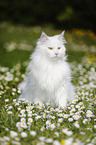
pixel 49 75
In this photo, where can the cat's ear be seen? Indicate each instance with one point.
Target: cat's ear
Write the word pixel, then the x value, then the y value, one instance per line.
pixel 61 35
pixel 43 37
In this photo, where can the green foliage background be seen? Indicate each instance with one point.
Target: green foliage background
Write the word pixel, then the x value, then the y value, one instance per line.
pixel 60 14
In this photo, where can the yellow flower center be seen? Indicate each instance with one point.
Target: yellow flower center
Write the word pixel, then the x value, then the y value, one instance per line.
pixel 63 142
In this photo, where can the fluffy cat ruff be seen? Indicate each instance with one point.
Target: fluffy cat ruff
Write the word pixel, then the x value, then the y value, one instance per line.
pixel 49 78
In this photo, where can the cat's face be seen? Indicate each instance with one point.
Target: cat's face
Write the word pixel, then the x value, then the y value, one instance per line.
pixel 52 47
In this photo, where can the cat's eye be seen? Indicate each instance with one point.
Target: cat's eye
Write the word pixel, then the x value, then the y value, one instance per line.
pixel 50 48
pixel 59 47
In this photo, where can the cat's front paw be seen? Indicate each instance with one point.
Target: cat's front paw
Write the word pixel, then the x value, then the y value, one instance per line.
pixel 62 104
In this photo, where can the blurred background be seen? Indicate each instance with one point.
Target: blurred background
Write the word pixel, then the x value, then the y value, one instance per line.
pixel 58 13
pixel 22 21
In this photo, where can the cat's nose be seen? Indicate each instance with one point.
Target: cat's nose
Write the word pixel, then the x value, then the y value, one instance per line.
pixel 56 54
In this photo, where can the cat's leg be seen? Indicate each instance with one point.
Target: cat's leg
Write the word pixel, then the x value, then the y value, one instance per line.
pixel 65 93
pixel 31 96
pixel 61 97
pixel 39 96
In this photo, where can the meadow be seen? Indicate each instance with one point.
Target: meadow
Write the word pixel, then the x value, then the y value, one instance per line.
pixel 22 123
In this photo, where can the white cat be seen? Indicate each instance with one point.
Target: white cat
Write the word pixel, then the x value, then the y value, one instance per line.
pixel 49 78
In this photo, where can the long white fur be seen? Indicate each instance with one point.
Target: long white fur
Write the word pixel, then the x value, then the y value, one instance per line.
pixel 49 78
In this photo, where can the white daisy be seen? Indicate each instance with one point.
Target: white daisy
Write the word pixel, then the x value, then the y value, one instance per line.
pixel 33 133
pixel 24 134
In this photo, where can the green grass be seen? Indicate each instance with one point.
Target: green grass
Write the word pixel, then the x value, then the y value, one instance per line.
pixel 78 117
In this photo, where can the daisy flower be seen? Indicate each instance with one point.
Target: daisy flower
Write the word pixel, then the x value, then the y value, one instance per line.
pixel 37 117
pixel 13 134
pixel 10 112
pixel 66 116
pixel 76 124
pixel 52 126
pixel 33 133
pixel 23 124
pixel 42 138
pixel 15 142
pixel 60 120
pixel 56 142
pixel 49 140
pixel 6 138
pixel 77 106
pixel 30 120
pixel 69 133
pixel 42 128
pixel 22 111
pixel 48 123
pixel 70 119
pixel 18 124
pixel 56 134
pixel 89 113
pixel 85 121
pixel 23 119
pixel 6 100
pixel 24 134
pixel 76 117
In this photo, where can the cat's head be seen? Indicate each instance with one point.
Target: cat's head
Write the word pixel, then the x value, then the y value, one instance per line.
pixel 52 47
